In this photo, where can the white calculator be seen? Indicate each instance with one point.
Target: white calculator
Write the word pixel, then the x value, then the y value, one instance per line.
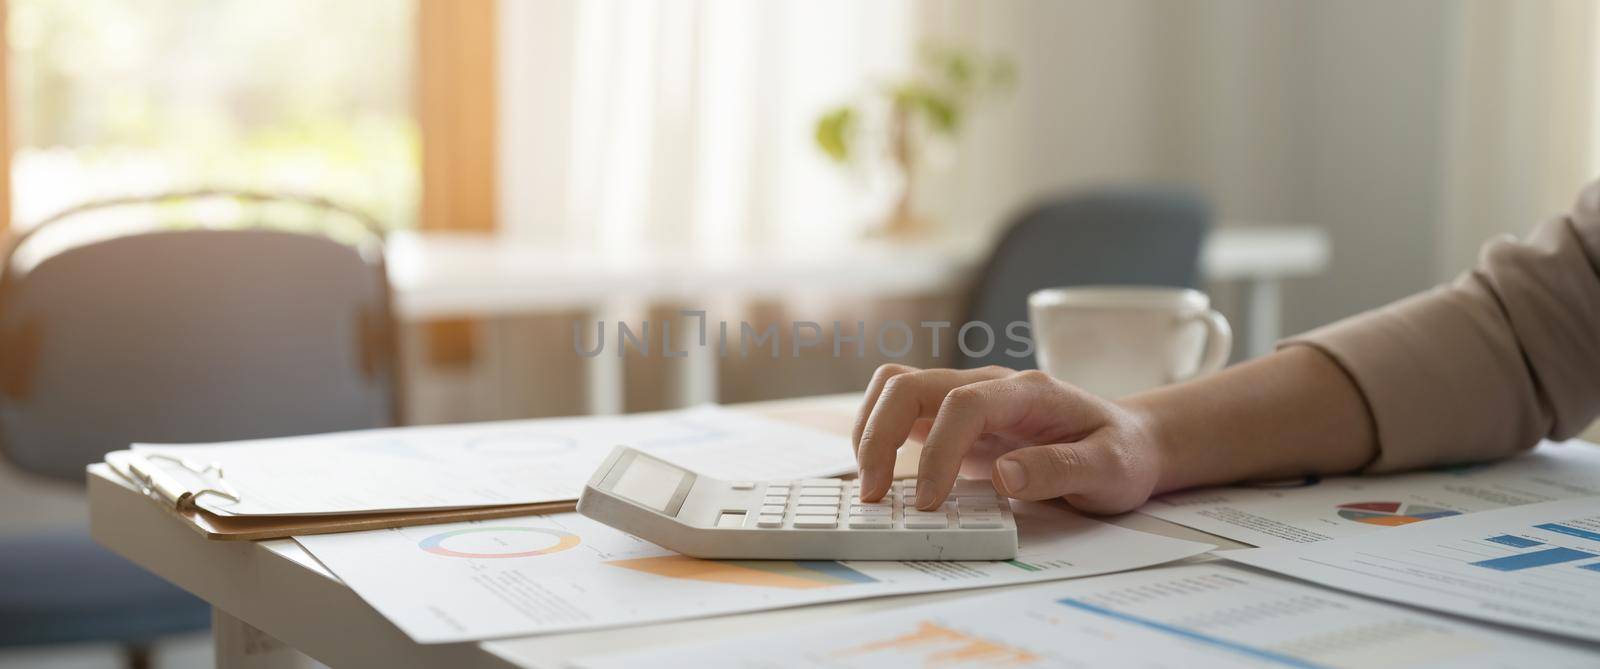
pixel 808 519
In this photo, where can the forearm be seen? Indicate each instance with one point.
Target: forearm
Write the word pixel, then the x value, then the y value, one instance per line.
pixel 1292 413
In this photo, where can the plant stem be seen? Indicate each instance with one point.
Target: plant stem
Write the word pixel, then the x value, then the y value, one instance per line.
pixel 902 222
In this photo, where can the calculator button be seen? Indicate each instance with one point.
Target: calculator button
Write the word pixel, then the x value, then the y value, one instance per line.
pixel 816 521
pixel 816 511
pixel 819 501
pixel 927 522
pixel 769 521
pixel 871 522
pixel 981 522
pixel 774 499
pixel 744 485
pixel 777 490
pixel 973 487
pixel 822 483
pixel 773 509
pixel 822 492
pixel 870 510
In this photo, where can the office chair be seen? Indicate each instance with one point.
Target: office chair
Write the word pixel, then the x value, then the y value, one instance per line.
pixel 1129 237
pixel 173 334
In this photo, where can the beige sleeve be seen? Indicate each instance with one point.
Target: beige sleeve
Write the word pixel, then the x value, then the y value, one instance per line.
pixel 1507 354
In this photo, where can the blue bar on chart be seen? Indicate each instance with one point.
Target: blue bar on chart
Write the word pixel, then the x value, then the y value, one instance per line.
pixel 1542 558
pixel 1264 655
pixel 1558 528
pixel 1515 541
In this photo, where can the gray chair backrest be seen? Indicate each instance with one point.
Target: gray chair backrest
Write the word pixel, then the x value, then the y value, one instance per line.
pixel 1129 237
pixel 191 336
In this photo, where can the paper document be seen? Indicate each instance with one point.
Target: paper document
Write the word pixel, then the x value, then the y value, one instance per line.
pixel 470 581
pixel 510 462
pixel 1175 618
pixel 1534 566
pixel 1315 510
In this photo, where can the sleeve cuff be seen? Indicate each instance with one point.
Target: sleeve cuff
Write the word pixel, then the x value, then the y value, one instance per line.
pixel 1432 375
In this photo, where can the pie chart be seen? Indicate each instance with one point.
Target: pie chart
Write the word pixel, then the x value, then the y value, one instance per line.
pixel 520 445
pixel 1389 514
pixel 499 541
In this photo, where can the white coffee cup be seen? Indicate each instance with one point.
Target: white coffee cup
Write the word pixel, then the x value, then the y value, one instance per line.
pixel 1115 341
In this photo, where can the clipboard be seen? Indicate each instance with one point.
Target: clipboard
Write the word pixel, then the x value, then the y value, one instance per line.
pixel 163 489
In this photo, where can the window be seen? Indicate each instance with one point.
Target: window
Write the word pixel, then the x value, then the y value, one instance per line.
pixel 135 97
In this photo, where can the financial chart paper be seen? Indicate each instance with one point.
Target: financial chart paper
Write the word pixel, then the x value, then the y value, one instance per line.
pixel 1535 566
pixel 1164 618
pixel 1313 509
pixel 565 572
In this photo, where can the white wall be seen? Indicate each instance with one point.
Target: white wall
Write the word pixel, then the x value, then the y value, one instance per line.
pixel 1330 114
pixel 1093 102
pixel 1305 112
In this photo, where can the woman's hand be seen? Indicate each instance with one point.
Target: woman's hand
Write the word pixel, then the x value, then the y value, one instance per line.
pixel 1048 439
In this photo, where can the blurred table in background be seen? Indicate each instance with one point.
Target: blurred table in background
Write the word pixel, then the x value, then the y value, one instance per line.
pixel 440 275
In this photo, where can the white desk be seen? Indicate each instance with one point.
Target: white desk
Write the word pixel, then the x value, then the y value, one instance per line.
pixel 453 275
pixel 272 597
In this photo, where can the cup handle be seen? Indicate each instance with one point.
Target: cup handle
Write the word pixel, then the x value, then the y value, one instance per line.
pixel 1219 344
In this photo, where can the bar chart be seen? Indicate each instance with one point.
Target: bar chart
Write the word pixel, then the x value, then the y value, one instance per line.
pixel 1533 566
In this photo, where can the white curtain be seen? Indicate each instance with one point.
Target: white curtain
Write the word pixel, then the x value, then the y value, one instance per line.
pixel 628 125
pixel 1521 120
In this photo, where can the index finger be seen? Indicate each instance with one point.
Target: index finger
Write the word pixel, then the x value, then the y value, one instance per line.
pixel 904 399
pixel 970 412
pixel 870 400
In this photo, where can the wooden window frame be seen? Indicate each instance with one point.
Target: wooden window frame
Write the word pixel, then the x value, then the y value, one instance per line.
pixel 456 108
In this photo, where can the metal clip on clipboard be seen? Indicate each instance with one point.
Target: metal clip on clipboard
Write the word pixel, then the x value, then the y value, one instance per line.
pixel 159 484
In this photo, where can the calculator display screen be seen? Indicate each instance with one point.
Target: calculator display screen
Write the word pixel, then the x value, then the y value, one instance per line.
pixel 649 482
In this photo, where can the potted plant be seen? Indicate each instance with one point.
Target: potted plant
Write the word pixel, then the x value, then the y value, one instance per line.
pixel 901 117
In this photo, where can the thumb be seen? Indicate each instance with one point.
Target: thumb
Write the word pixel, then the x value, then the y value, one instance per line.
pixel 1083 472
